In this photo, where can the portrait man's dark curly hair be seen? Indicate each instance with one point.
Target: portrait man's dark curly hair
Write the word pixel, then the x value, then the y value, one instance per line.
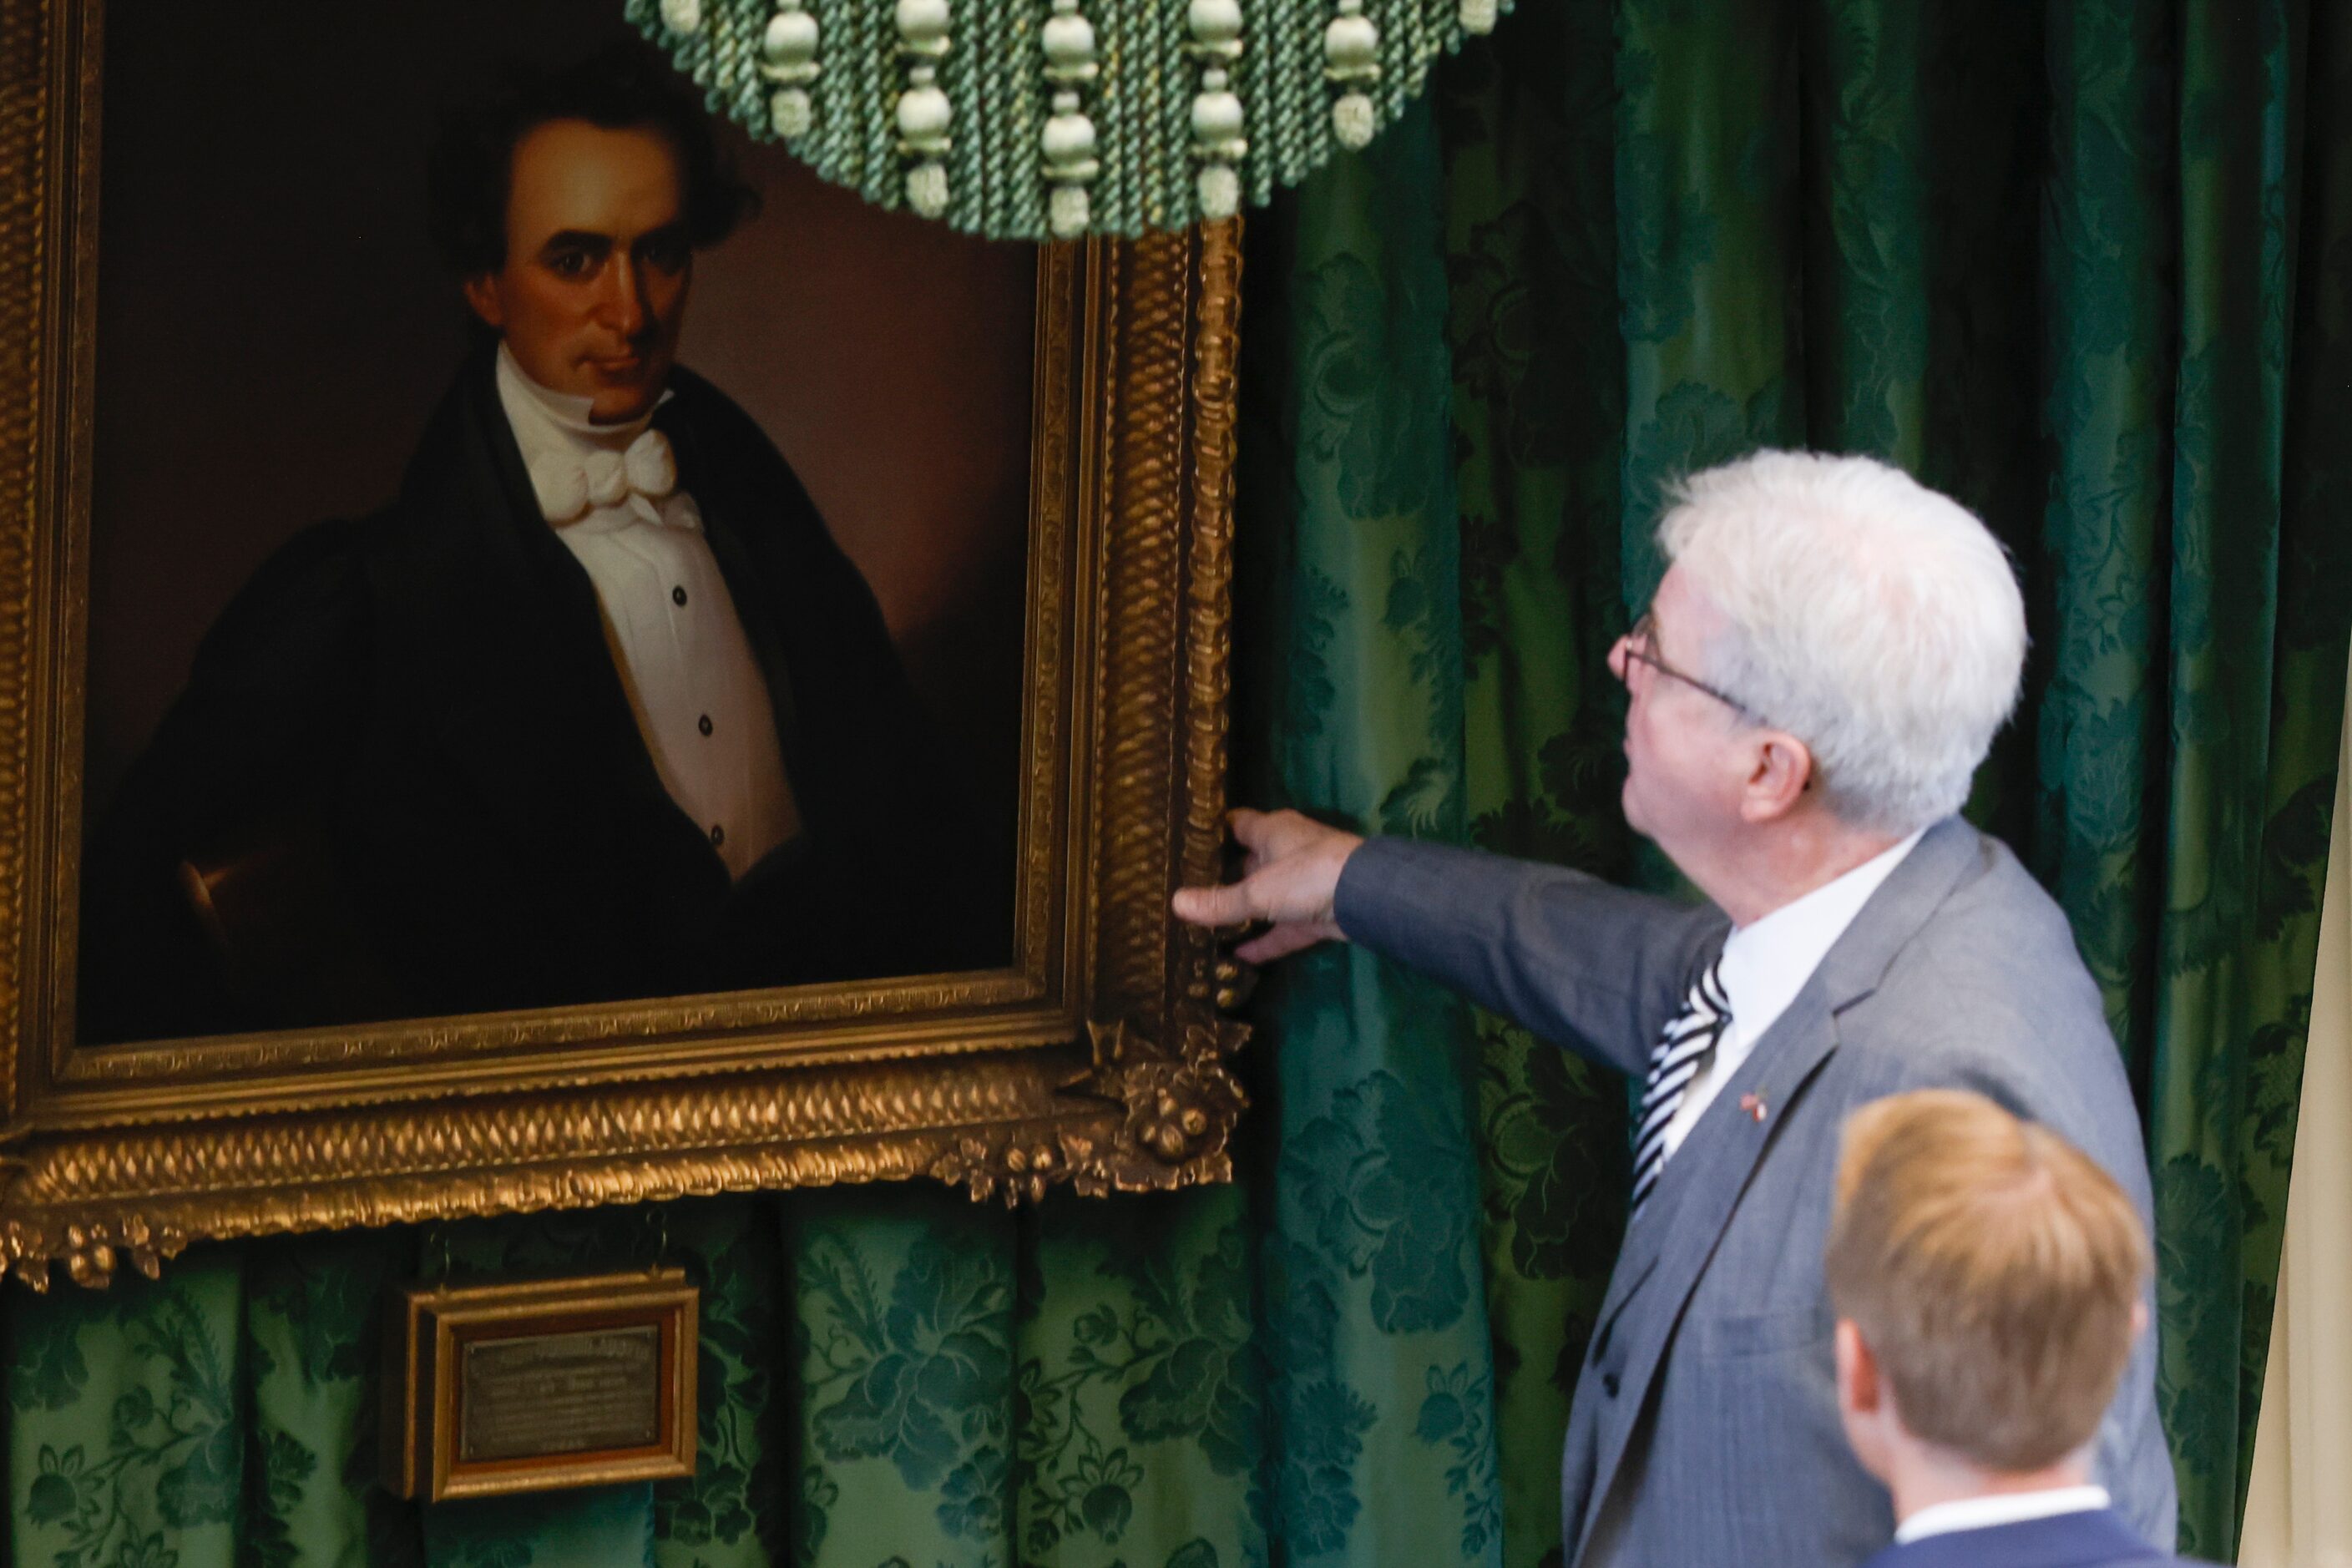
pixel 622 86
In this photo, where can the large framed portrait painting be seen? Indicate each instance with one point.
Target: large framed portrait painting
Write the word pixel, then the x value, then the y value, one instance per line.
pixel 551 657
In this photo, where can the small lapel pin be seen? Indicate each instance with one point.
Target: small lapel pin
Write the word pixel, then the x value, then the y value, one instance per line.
pixel 1754 1106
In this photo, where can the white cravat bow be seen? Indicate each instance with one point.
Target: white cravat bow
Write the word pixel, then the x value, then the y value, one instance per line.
pixel 571 487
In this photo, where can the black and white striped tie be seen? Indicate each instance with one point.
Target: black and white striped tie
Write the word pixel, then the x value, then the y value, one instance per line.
pixel 1686 1044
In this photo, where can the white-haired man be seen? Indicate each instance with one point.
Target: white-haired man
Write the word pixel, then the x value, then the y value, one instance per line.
pixel 1823 666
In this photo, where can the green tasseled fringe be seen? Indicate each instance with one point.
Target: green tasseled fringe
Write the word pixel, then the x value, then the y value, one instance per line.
pixel 1147 173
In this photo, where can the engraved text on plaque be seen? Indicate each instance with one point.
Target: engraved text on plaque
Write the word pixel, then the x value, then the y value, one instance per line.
pixel 559 1393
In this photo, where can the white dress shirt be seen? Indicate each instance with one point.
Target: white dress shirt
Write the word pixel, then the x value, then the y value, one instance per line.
pixel 1766 964
pixel 2011 1508
pixel 697 690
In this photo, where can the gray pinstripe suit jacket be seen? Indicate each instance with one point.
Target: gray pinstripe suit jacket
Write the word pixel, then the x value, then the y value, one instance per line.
pixel 1705 1428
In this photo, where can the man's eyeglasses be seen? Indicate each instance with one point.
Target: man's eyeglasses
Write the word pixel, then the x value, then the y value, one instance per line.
pixel 1641 643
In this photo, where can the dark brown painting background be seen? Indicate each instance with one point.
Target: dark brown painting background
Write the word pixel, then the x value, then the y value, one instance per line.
pixel 273 331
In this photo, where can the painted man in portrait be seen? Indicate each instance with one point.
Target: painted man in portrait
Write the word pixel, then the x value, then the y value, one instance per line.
pixel 594 710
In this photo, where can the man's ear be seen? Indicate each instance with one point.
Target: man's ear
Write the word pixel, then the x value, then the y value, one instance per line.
pixel 1779 778
pixel 1864 1409
pixel 1857 1371
pixel 2140 1319
pixel 482 295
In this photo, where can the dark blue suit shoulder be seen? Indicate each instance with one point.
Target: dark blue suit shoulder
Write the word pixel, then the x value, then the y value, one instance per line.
pixel 2097 1539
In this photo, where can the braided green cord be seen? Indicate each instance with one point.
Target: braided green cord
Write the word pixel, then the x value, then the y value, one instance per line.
pixel 1295 124
pixel 1118 90
pixel 735 57
pixel 1140 102
pixel 978 19
pixel 988 20
pixel 876 60
pixel 1162 157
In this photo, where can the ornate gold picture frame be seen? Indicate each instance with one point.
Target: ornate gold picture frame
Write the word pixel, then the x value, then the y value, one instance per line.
pixel 1097 1058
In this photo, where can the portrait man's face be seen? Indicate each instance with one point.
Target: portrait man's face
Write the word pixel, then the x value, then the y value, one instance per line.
pixel 593 291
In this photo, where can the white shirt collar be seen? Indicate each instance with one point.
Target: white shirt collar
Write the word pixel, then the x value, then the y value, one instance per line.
pixel 2010 1508
pixel 1767 961
pixel 546 420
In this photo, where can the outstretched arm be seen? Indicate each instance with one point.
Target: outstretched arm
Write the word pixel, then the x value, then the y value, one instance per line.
pixel 1573 959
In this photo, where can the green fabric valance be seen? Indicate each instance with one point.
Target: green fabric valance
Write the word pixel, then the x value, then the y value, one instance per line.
pixel 1038 119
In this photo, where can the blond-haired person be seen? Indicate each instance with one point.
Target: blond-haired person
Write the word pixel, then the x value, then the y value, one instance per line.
pixel 1988 1279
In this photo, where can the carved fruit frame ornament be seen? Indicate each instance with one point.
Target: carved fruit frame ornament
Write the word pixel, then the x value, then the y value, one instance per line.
pixel 1099 1058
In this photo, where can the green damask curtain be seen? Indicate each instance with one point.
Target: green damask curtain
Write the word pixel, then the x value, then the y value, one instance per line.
pixel 2088 266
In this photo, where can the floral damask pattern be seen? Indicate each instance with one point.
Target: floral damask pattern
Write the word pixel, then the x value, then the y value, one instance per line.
pixel 1456 1417
pixel 1363 1174
pixel 163 1464
pixel 1178 1360
pixel 916 1373
pixel 2087 266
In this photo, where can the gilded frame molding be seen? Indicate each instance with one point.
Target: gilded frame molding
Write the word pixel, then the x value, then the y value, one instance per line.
pixel 1099 1058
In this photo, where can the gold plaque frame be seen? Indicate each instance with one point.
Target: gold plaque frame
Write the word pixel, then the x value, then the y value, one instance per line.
pixel 429 1331
pixel 1099 1057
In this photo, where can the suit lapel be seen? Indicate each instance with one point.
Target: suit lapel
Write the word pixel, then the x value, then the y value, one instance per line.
pixel 1668 1248
pixel 1667 1251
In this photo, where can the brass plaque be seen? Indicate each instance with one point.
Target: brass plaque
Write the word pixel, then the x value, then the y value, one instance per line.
pixel 534 1385
pixel 558 1394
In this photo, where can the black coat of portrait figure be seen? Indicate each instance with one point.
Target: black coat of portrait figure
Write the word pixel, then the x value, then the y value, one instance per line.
pixel 594 710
